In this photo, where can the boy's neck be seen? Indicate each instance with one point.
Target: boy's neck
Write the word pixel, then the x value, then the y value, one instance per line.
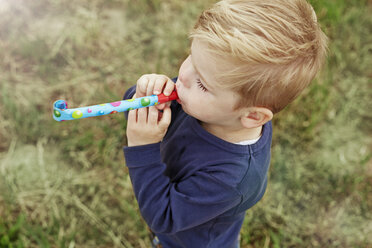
pixel 233 135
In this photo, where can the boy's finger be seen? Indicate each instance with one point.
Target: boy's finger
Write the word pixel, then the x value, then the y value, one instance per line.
pixel 163 105
pixel 153 115
pixel 150 88
pixel 159 84
pixel 160 106
pixel 169 87
pixel 141 88
pixel 142 115
pixel 132 116
pixel 166 118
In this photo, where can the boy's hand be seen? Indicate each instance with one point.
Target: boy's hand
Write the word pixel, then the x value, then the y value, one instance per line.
pixel 147 125
pixel 154 84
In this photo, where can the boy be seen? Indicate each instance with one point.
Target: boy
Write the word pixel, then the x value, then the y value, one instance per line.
pixel 200 163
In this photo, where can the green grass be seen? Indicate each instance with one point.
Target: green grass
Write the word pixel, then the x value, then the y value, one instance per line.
pixel 65 184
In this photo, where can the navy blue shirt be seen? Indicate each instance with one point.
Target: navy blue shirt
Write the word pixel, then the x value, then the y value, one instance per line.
pixel 193 188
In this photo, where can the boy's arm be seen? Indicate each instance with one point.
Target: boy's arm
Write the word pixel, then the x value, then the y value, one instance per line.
pixel 170 207
pixel 130 93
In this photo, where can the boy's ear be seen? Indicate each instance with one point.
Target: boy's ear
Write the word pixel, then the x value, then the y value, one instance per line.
pixel 256 117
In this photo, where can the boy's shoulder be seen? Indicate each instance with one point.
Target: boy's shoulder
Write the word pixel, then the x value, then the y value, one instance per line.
pixel 188 145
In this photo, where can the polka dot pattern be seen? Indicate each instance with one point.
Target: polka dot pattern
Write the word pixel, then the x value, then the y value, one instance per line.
pixel 61 112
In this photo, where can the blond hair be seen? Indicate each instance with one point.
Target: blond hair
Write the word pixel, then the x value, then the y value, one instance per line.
pixel 276 48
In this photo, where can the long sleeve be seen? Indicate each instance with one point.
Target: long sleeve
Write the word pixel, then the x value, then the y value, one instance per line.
pixel 128 95
pixel 170 207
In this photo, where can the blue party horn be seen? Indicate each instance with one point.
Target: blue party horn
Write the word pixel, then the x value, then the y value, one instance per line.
pixel 62 113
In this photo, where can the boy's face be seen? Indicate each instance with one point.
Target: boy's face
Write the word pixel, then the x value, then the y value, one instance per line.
pixel 198 92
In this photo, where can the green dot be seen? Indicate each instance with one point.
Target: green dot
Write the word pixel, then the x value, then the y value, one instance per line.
pixel 77 114
pixel 145 102
pixel 57 113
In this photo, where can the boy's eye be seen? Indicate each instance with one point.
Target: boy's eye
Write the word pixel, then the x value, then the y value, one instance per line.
pixel 201 86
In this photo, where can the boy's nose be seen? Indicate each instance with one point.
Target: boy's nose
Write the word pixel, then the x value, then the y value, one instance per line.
pixel 183 82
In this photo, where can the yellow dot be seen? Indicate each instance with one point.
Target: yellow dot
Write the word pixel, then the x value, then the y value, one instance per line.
pixel 77 114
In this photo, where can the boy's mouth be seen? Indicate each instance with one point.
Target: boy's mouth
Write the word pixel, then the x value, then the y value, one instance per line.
pixel 179 98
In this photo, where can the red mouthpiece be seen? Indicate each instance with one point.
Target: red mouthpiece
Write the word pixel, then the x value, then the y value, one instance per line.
pixel 163 98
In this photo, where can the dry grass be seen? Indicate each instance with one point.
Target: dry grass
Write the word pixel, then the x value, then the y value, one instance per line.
pixel 65 184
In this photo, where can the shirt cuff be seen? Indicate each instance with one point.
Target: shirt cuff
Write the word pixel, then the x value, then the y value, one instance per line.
pixel 138 156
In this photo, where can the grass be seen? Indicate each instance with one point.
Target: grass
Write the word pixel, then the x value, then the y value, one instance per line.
pixel 65 184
